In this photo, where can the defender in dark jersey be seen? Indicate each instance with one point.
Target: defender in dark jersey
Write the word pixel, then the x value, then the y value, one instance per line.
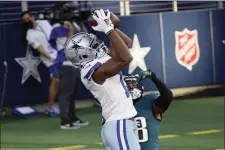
pixel 150 108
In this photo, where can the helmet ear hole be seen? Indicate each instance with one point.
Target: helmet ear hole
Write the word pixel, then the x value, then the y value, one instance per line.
pixel 84 56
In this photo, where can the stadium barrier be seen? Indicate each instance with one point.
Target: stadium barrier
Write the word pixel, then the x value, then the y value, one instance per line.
pixel 185 49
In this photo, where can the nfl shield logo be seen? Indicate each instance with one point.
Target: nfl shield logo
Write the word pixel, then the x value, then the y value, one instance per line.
pixel 187 48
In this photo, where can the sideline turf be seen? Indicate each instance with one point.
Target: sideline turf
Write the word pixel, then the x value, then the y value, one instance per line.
pixel 42 133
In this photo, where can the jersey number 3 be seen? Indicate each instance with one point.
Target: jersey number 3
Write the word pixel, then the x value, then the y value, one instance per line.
pixel 142 130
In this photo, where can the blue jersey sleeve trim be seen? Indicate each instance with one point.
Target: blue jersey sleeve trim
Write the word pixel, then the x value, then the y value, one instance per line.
pixel 53 35
pixel 58 32
pixel 91 71
pixel 53 44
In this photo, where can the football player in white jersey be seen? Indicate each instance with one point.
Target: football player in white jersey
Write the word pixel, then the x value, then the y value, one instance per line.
pixel 101 74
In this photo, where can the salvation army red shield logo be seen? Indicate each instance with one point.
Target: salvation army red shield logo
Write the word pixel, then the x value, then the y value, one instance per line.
pixel 187 48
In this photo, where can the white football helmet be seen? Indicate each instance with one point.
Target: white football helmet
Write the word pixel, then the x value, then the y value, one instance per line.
pixel 83 47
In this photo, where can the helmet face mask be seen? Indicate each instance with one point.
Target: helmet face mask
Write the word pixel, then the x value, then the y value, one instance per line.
pixel 98 45
pixel 134 86
pixel 83 47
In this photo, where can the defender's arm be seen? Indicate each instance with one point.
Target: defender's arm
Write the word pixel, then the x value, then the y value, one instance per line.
pixel 164 100
pixel 162 103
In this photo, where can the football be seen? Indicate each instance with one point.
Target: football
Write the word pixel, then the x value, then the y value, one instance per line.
pixel 115 20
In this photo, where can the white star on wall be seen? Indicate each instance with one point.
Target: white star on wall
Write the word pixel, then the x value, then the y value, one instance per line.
pixel 29 64
pixel 138 54
pixel 223 41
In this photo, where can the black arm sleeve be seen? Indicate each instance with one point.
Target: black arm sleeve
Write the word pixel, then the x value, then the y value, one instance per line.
pixel 166 94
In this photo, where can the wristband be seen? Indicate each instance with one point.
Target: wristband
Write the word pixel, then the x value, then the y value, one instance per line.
pixel 110 31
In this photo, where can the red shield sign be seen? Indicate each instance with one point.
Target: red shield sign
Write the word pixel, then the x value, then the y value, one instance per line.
pixel 187 48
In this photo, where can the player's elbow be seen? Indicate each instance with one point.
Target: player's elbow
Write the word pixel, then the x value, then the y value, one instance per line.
pixel 166 93
pixel 170 95
pixel 124 62
pixel 129 43
pixel 128 59
pixel 169 98
pixel 165 100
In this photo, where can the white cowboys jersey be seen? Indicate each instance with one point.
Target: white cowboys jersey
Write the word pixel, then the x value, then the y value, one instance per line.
pixel 113 95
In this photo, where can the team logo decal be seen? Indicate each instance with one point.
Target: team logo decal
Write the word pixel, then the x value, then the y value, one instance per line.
pixel 187 48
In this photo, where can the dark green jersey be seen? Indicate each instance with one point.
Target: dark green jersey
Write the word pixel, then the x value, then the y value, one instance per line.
pixel 148 126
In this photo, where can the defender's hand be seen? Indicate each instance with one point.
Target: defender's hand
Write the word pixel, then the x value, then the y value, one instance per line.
pixel 145 74
pixel 104 22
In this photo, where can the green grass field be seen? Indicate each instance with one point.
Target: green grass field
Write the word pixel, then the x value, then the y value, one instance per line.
pixel 196 124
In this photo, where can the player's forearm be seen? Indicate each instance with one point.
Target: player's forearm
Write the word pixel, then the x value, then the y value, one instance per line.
pixel 43 52
pixel 122 53
pixel 163 89
pixel 166 94
pixel 124 37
